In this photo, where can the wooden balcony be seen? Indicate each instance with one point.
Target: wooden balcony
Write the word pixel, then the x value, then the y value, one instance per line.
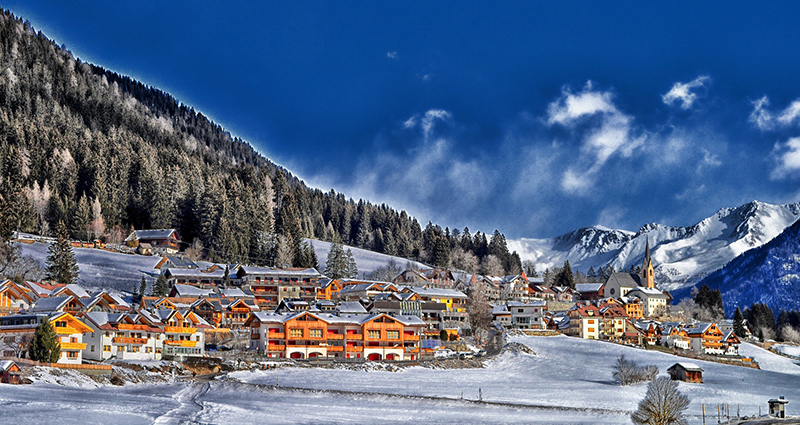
pixel 255 336
pixel 179 330
pixel 126 340
pixel 275 347
pixel 307 346
pixel 412 349
pixel 276 335
pixel 128 327
pixel 67 331
pixel 73 346
pixel 335 348
pixel 355 336
pixel 355 348
pixel 335 336
pixel 410 337
pixel 181 343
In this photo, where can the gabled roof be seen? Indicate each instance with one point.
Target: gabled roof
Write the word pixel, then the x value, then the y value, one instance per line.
pixel 625 280
pixel 6 365
pixel 437 292
pixel 51 304
pixel 151 234
pixel 689 367
pixel 252 270
pixel 234 293
pixel 351 307
pixel 589 287
pixel 71 289
pixel 647 292
pixel 191 291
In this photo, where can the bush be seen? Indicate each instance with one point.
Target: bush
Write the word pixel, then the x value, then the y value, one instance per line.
pixel 626 372
pixel 662 405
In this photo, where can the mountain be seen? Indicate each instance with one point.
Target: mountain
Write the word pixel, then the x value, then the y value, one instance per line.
pixel 681 255
pixel 769 274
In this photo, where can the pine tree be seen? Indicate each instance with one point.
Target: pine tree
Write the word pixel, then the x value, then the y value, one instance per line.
pixel 161 286
pixel 352 268
pixel 45 346
pixel 142 287
pixel 340 263
pixel 565 276
pixel 738 324
pixel 61 264
pixel 226 278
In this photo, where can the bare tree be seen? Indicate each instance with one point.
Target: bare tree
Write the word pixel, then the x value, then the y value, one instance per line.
pixel 98 225
pixel 13 264
pixel 626 372
pixel 662 405
pixel 479 310
pixel 463 260
pixel 491 266
pixel 40 201
pixel 790 334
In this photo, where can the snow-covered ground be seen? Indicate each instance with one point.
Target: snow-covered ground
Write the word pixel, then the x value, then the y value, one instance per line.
pixel 568 380
pixel 789 350
pixel 116 271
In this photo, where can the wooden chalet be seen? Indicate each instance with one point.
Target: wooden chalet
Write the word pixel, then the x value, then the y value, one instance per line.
pixel 14 298
pixel 9 372
pixel 687 372
pixel 162 240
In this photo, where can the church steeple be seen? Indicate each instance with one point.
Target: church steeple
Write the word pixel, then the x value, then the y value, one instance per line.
pixel 648 273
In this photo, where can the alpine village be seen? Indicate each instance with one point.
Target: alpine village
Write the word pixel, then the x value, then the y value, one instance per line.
pixel 102 173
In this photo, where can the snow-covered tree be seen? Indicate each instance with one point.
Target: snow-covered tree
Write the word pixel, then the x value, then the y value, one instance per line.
pixel 61 264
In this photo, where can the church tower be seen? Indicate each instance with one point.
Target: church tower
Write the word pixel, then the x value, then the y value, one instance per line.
pixel 648 274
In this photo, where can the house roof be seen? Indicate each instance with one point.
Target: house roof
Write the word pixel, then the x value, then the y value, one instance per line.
pixel 150 234
pixel 690 367
pixel 191 291
pixel 252 270
pixel 189 273
pixel 647 292
pixel 6 365
pixel 437 292
pixel 50 304
pixel 589 287
pixel 625 280
pixel 351 307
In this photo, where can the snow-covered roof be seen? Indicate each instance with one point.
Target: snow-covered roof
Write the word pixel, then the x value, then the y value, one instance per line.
pixel 252 270
pixel 190 273
pixel 500 310
pixel 234 293
pixel 50 304
pixel 535 303
pixel 150 234
pixel 437 292
pixel 589 287
pixel 5 365
pixel 691 367
pixel 649 292
pixel 351 307
pixel 191 291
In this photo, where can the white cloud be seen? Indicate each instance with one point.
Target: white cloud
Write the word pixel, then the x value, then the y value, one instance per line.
pixel 612 216
pixel 787 158
pixel 392 55
pixel 685 93
pixel 710 159
pixel 611 135
pixel 765 119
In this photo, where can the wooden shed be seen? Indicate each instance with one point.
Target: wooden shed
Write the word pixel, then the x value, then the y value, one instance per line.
pixel 9 372
pixel 687 372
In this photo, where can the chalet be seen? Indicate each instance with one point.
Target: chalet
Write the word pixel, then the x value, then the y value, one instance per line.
pixel 188 291
pixel 730 344
pixel 649 330
pixel 195 277
pixel 565 294
pixel 9 372
pixel 14 298
pixel 160 240
pixel 634 307
pixel 175 262
pixel 590 291
pixel 584 321
pixel 328 289
pixel 359 291
pixel 501 315
pixel 72 289
pixel 123 336
pixel 687 372
pixel 542 291
pixel 16 331
pixel 706 338
pixel 321 335
pixel 184 333
pixel 270 285
pixel 673 335
pixel 65 303
pixel 612 325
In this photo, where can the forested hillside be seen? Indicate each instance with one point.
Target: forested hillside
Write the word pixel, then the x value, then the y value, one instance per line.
pixel 105 154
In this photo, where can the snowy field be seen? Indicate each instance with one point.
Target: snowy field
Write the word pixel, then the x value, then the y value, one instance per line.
pixel 568 380
pixel 789 350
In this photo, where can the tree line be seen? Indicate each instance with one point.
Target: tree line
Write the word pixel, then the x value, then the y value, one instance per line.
pixel 106 154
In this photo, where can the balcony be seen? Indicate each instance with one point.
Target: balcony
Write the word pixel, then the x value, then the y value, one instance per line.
pixel 255 336
pixel 274 347
pixel 177 330
pixel 73 346
pixel 335 336
pixel 335 348
pixel 412 349
pixel 355 336
pixel 67 331
pixel 126 340
pixel 410 337
pixel 276 335
pixel 307 346
pixel 352 348
pixel 181 343
pixel 127 327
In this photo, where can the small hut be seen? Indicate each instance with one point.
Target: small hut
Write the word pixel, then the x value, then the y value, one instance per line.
pixel 687 372
pixel 9 372
pixel 777 407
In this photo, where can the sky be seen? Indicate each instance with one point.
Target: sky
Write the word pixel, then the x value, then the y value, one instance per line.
pixel 534 118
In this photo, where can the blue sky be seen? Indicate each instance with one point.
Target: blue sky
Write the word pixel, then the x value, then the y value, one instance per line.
pixel 534 118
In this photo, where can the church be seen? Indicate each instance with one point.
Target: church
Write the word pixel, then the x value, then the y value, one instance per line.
pixel 641 285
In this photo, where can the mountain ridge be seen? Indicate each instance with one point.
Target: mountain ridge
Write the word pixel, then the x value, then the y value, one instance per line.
pixel 682 255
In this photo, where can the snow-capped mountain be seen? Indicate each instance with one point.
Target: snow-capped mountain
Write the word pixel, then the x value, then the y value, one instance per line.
pixel 769 274
pixel 681 255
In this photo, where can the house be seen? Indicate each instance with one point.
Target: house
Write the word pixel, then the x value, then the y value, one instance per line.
pixel 687 372
pixel 270 285
pixel 175 262
pixel 613 321
pixel 9 372
pixel 706 338
pixel 123 336
pixel 159 240
pixel 306 335
pixel 328 289
pixel 16 331
pixel 673 335
pixel 730 344
pixel 542 291
pixel 184 333
pixel 649 330
pixel 590 291
pixel 528 315
pixel 565 294
pixel 634 307
pixel 195 277
pixel 501 316
pixel 14 298
pixel 654 301
pixel 584 321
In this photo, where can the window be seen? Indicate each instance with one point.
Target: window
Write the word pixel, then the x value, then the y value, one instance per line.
pixel 158 351
pixel 374 334
pixel 107 348
pixel 92 349
pixel 296 333
pixel 148 349
pixel 61 324
pixel 315 333
pixel 590 321
pixel 591 329
pixel 8 340
pixel 73 339
pixel 72 354
pixel 393 334
pixel 519 310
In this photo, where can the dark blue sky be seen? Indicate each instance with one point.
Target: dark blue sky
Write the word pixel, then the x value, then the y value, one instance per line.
pixel 534 118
